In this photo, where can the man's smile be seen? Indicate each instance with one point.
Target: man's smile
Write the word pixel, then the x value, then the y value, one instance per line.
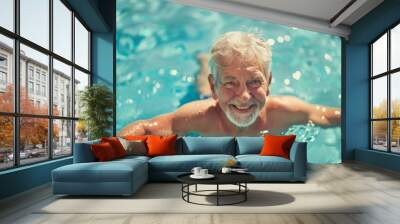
pixel 243 109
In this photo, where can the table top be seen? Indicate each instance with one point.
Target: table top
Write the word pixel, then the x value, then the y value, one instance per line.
pixel 220 178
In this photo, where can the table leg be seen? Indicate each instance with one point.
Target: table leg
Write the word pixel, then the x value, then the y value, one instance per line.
pixel 188 189
pixel 217 194
pixel 196 188
pixel 245 193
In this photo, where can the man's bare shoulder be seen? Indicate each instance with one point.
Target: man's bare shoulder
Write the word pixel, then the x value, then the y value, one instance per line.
pixel 199 110
pixel 195 116
pixel 284 104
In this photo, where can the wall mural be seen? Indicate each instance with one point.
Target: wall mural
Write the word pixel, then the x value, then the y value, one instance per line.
pixel 265 77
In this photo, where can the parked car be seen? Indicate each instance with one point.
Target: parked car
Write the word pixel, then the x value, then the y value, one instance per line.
pixel 22 155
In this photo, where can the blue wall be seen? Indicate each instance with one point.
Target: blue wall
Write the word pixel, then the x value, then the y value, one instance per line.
pixel 102 58
pixel 99 16
pixel 357 85
pixel 24 178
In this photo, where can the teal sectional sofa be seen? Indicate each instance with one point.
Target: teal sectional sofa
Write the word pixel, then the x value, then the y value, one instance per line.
pixel 125 176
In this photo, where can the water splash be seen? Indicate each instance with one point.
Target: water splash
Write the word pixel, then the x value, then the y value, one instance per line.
pixel 304 133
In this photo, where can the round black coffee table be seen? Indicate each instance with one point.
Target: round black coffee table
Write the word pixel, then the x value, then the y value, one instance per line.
pixel 238 179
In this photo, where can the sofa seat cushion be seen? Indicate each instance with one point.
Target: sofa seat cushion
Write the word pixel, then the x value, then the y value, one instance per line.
pixel 257 163
pixel 133 158
pixel 111 171
pixel 185 163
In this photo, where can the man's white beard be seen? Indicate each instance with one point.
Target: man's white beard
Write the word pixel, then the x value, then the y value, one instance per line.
pixel 243 123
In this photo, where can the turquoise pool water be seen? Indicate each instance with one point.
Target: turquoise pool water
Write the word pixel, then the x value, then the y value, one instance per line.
pixel 157 45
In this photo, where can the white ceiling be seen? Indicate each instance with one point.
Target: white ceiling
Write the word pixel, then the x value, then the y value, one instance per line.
pixel 318 15
pixel 319 9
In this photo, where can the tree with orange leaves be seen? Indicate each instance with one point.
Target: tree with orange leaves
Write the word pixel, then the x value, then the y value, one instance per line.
pixel 33 131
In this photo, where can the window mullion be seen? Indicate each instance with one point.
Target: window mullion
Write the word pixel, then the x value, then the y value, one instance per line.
pixel 50 81
pixel 389 106
pixel 73 82
pixel 16 84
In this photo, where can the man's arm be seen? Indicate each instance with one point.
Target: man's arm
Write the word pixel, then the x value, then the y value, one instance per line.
pixel 189 117
pixel 160 125
pixel 302 112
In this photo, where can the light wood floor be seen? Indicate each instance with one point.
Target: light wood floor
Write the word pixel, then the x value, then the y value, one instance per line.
pixel 378 188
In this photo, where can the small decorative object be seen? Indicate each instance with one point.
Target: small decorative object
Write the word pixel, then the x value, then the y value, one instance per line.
pixel 226 170
pixel 231 163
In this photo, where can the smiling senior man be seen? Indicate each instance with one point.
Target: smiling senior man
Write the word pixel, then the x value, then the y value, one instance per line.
pixel 240 78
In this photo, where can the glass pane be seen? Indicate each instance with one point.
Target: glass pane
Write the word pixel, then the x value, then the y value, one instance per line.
pixel 62 29
pixel 395 47
pixel 81 45
pixel 6 142
pixel 395 136
pixel 81 81
pixel 81 131
pixel 379 97
pixel 34 97
pixel 6 74
pixel 62 89
pixel 379 135
pixel 7 14
pixel 62 138
pixel 35 21
pixel 33 139
pixel 379 55
pixel 395 94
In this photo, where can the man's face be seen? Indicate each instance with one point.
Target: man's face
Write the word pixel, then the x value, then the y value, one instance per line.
pixel 241 91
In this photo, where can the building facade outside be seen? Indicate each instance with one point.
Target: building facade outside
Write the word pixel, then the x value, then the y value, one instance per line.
pixel 34 99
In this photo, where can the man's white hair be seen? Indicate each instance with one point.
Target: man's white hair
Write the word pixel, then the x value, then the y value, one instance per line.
pixel 245 47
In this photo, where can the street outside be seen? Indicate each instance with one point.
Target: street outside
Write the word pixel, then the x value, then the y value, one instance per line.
pixel 33 155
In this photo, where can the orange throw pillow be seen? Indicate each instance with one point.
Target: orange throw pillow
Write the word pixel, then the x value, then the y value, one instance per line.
pixel 103 152
pixel 135 137
pixel 116 145
pixel 161 145
pixel 277 145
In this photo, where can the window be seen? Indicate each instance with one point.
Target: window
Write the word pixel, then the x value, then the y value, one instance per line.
pixel 47 93
pixel 37 74
pixel 44 91
pixel 62 75
pixel 62 31
pixel 30 87
pixel 81 45
pixel 3 78
pixel 7 14
pixel 6 72
pixel 3 61
pixel 3 72
pixel 385 94
pixel 62 140
pixel 34 21
pixel 38 89
pixel 30 72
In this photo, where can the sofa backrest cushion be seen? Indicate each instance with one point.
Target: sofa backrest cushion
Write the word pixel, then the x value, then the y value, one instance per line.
pixel 206 145
pixel 249 145
pixel 83 152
